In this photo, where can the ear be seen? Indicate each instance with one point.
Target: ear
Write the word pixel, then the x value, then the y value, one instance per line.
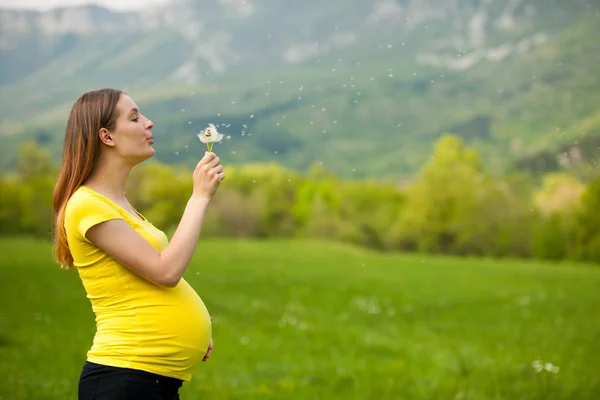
pixel 106 137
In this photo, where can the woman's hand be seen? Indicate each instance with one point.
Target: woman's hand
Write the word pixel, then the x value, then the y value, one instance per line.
pixel 210 347
pixel 207 176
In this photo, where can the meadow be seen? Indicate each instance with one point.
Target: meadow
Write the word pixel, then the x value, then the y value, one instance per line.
pixel 300 319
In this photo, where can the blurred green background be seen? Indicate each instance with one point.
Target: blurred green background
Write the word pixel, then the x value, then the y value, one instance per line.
pixel 410 209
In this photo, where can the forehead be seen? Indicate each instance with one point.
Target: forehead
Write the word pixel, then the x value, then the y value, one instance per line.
pixel 125 104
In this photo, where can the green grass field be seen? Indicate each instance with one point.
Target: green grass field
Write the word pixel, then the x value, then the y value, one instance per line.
pixel 308 320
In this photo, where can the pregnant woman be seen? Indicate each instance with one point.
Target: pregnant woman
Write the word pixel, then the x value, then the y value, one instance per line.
pixel 152 329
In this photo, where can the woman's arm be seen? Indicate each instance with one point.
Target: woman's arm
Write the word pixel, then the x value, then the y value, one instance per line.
pixel 119 240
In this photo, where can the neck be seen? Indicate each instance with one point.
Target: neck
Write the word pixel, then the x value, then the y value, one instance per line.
pixel 109 177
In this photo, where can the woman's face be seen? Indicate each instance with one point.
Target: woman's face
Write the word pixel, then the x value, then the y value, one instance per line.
pixel 132 139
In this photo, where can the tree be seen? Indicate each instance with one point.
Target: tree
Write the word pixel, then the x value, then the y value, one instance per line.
pixel 559 192
pixel 588 224
pixel 438 215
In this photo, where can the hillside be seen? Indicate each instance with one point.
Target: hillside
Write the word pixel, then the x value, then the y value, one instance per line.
pixel 363 87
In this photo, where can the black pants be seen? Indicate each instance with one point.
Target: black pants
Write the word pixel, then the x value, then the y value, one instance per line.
pixel 100 382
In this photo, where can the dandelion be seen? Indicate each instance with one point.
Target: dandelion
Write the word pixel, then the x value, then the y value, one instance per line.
pixel 209 136
pixel 551 368
pixel 539 366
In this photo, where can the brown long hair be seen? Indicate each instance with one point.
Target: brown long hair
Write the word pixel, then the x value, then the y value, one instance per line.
pixel 91 112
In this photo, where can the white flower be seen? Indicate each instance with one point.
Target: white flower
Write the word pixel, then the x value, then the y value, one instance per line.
pixel 551 368
pixel 538 365
pixel 210 135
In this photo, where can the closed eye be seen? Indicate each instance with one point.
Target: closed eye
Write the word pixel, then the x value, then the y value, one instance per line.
pixel 136 119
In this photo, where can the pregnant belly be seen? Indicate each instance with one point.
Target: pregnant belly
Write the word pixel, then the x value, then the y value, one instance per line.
pixel 169 334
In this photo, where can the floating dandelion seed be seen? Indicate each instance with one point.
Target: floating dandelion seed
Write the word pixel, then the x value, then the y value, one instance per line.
pixel 251 116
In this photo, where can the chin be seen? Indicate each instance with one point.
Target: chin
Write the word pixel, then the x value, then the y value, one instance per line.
pixel 148 156
pixel 140 159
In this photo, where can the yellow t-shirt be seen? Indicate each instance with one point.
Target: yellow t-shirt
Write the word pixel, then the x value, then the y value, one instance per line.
pixel 139 324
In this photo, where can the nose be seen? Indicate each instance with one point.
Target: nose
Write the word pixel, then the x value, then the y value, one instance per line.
pixel 149 124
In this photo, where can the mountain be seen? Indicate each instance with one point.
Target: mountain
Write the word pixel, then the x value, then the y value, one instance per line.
pixel 364 87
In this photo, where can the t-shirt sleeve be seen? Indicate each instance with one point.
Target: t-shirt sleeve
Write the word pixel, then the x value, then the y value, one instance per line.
pixel 91 211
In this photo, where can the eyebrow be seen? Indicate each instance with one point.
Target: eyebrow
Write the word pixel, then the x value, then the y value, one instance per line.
pixel 133 111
